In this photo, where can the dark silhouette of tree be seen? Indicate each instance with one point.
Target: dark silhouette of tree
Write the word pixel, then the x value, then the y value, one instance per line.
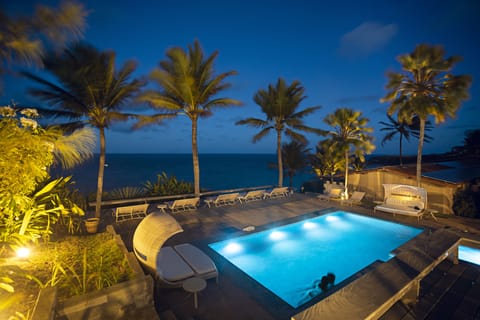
pixel 280 104
pixel 404 130
pixel 295 159
pixel 24 40
pixel 89 91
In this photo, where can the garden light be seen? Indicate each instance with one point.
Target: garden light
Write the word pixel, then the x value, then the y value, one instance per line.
pixel 23 252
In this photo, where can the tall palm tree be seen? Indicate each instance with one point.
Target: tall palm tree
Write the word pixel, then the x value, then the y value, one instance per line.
pixel 404 130
pixel 280 103
pixel 90 91
pixel 188 86
pixel 426 87
pixel 295 157
pixel 350 135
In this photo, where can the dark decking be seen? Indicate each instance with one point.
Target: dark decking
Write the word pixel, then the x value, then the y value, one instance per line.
pixel 449 292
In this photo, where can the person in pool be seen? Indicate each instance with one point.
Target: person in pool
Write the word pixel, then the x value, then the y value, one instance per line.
pixel 325 283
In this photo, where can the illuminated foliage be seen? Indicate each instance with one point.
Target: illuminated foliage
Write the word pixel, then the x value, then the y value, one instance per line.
pixel 30 204
pixel 350 135
pixel 426 88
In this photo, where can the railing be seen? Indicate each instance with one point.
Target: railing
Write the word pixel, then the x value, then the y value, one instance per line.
pixel 173 197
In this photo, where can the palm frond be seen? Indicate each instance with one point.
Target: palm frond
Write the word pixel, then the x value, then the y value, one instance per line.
pixel 262 134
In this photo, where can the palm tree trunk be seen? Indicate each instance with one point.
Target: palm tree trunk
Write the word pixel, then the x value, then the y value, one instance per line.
pixel 279 157
pixel 101 170
pixel 346 174
pixel 420 151
pixel 401 158
pixel 196 166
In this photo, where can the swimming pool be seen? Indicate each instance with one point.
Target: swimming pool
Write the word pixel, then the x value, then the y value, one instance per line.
pixel 469 254
pixel 288 259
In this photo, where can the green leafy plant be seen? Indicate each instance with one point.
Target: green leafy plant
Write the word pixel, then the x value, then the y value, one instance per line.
pixel 83 264
pixel 125 193
pixel 165 186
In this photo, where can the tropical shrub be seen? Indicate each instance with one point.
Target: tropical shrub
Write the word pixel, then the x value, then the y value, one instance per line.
pixel 74 265
pixel 166 186
pixel 465 203
pixel 125 193
pixel 30 204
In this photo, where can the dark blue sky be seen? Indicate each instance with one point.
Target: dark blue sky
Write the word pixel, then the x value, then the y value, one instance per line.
pixel 340 51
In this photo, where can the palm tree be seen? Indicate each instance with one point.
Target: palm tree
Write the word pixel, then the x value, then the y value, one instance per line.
pixel 279 103
pixel 188 86
pixel 404 130
pixel 472 141
pixel 23 40
pixel 89 92
pixel 295 158
pixel 426 87
pixel 327 160
pixel 350 135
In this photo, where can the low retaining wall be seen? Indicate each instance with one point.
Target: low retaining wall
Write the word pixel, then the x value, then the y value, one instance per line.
pixel 133 297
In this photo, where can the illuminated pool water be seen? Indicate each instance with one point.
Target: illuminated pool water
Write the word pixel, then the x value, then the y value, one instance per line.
pixel 288 259
pixel 469 254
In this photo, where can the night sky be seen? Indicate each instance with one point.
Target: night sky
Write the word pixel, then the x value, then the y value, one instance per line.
pixel 340 52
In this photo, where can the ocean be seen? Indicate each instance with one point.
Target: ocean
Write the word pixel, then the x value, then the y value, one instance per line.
pixel 217 171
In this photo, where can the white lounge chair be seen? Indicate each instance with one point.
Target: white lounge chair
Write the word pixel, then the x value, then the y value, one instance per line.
pixel 130 212
pixel 333 194
pixel 252 195
pixel 276 193
pixel 223 200
pixel 355 199
pixel 188 204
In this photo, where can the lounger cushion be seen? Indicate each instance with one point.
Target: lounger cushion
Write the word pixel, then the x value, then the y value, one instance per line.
pixel 171 267
pixel 197 259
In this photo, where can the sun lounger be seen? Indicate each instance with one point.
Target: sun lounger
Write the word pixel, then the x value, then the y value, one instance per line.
pixel 180 205
pixel 252 195
pixel 223 199
pixel 171 267
pixel 200 263
pixel 355 199
pixel 403 199
pixel 276 193
pixel 333 194
pixel 130 212
pixel 181 262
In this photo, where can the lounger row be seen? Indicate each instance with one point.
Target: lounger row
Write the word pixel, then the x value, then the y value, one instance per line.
pixel 190 204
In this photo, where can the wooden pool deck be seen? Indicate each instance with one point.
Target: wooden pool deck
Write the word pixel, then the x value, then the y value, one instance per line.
pixel 451 290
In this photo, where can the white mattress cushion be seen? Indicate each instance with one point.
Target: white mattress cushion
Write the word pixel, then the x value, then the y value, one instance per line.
pixel 197 259
pixel 171 267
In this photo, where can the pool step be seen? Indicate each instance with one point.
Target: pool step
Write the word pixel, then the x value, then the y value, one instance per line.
pixel 448 292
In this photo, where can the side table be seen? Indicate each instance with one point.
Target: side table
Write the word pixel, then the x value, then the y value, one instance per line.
pixel 194 285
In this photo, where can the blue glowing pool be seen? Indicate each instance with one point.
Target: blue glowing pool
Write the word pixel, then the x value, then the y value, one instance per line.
pixel 469 254
pixel 288 259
